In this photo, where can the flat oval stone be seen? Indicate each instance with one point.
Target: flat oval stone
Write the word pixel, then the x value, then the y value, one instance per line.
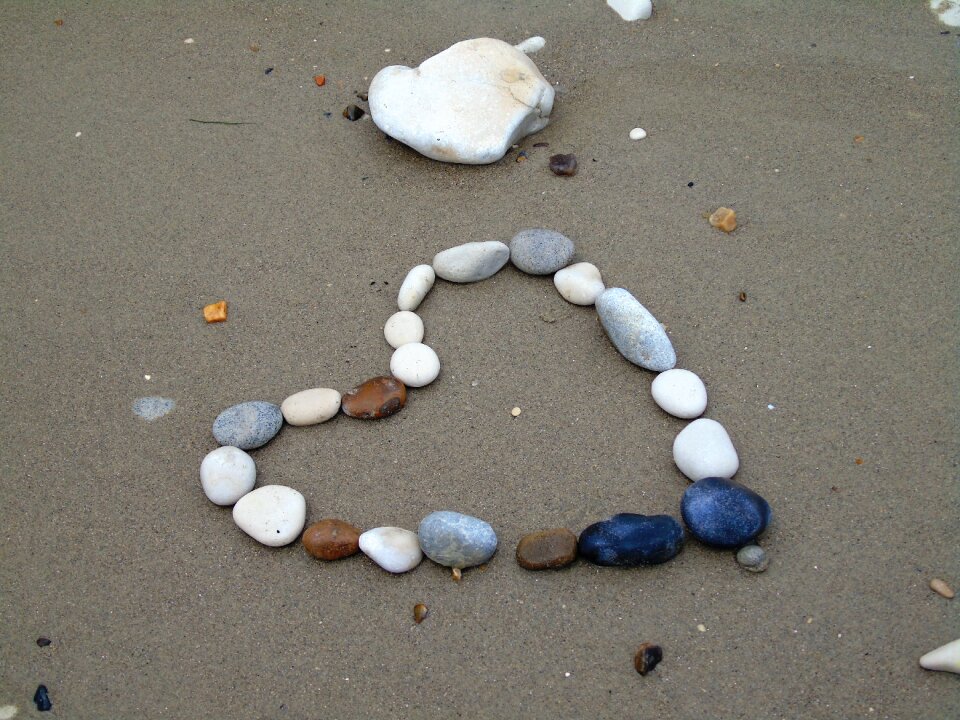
pixel 547 549
pixel 471 261
pixel 394 549
pixel 331 539
pixel 723 513
pixel 376 398
pixel 456 540
pixel 227 474
pixel 680 393
pixel 629 540
pixel 415 287
pixel 580 283
pixel 415 364
pixel 540 252
pixel 703 449
pixel 273 514
pixel 403 327
pixel 248 425
pixel 311 407
pixel 634 331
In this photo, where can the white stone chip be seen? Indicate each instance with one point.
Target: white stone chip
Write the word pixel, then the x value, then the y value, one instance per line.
pixel 273 515
pixel 680 393
pixel 403 327
pixel 703 449
pixel 227 474
pixel 394 549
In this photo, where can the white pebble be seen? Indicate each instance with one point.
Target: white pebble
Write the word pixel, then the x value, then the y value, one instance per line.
pixel 273 515
pixel 310 407
pixel 632 9
pixel 394 549
pixel 403 327
pixel 415 364
pixel 227 474
pixel 531 45
pixel 703 449
pixel 579 283
pixel 415 287
pixel 638 134
pixel 946 658
pixel 680 393
pixel 188 41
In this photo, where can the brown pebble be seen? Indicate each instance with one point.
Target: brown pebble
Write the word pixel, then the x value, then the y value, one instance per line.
pixel 352 112
pixel 420 612
pixel 541 144
pixel 742 297
pixel 941 588
pixel 331 539
pixel 563 164
pixel 647 658
pixel 254 48
pixel 376 398
pixel 858 139
pixel 725 219
pixel 547 549
pixel 858 461
pixel 58 22
pixel 215 312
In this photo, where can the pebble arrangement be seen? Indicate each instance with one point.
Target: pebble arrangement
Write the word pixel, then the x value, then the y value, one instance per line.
pixel 716 510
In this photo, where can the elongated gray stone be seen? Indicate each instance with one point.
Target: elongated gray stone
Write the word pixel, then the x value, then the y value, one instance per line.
pixel 538 251
pixel 456 540
pixel 248 425
pixel 634 331
pixel 471 261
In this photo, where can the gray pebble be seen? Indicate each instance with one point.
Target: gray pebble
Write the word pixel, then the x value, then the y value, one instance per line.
pixel 540 252
pixel 456 540
pixel 153 407
pixel 634 331
pixel 753 558
pixel 248 425
pixel 471 261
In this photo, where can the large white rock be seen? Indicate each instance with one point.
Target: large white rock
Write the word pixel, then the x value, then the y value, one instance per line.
pixel 273 515
pixel 227 474
pixel 309 407
pixel 703 449
pixel 946 658
pixel 467 104
pixel 415 364
pixel 394 549
pixel 472 261
pixel 680 393
pixel 415 287
pixel 579 283
pixel 632 9
pixel 403 327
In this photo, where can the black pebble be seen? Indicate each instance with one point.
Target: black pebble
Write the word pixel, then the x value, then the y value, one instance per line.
pixel 44 642
pixel 41 699
pixel 690 184
pixel 268 71
pixel 352 112
pixel 328 114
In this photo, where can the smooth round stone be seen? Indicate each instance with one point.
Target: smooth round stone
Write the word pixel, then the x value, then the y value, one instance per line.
pixel 579 283
pixel 394 549
pixel 471 261
pixel 638 133
pixel 227 474
pixel 376 398
pixel 415 287
pixel 547 549
pixel 753 558
pixel 540 252
pixel 403 327
pixel 415 364
pixel 310 407
pixel 634 331
pixel 680 393
pixel 629 540
pixel 273 515
pixel 723 513
pixel 248 425
pixel 331 539
pixel 456 540
pixel 703 449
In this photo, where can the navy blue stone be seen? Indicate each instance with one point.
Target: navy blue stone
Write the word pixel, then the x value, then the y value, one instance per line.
pixel 723 513
pixel 628 540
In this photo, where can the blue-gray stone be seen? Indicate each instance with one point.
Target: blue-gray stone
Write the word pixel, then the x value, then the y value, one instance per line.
pixel 634 331
pixel 456 540
pixel 723 513
pixel 248 425
pixel 540 252
pixel 629 540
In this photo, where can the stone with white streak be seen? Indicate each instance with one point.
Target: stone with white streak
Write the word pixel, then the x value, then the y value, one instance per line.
pixel 631 10
pixel 467 104
pixel 680 393
pixel 703 449
pixel 579 283
pixel 227 474
pixel 415 287
pixel 394 549
pixel 273 514
pixel 311 407
pixel 415 364
pixel 403 327
pixel 472 261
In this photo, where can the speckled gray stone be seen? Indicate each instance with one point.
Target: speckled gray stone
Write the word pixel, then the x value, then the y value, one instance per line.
pixel 540 252
pixel 248 425
pixel 634 331
pixel 753 558
pixel 456 540
pixel 471 261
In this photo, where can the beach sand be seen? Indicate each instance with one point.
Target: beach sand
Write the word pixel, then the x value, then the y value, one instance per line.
pixel 121 218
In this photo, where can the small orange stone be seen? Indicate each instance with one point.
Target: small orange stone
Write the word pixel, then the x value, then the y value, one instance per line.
pixel 215 312
pixel 858 138
pixel 320 80
pixel 724 219
pixel 254 48
pixel 859 461
pixel 420 612
pixel 58 22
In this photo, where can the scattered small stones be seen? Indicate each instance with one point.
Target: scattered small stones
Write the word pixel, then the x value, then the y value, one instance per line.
pixel 638 133
pixel 420 612
pixel 680 393
pixel 647 658
pixel 547 549
pixel 630 540
pixel 945 658
pixel 227 474
pixel 415 364
pixel 376 398
pixel 472 261
pixel 941 588
pixel 310 407
pixel 456 540
pixel 540 252
pixel 753 558
pixel 215 312
pixel 273 514
pixel 723 218
pixel 403 327
pixel 44 642
pixel 331 539
pixel 352 112
pixel 580 283
pixel 248 425
pixel 563 165
pixel 634 331
pixel 703 449
pixel 153 407
pixel 394 549
pixel 415 287
pixel 41 699
pixel 724 514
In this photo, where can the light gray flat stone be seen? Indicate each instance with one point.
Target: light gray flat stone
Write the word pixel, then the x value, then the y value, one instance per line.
pixel 538 251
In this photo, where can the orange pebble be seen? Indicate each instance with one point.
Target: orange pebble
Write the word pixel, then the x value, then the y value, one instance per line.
pixel 858 138
pixel 724 219
pixel 859 461
pixel 58 22
pixel 215 312
pixel 320 80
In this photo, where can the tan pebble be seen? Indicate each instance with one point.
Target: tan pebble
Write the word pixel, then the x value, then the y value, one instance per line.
pixel 702 627
pixel 725 219
pixel 516 412
pixel 941 588
pixel 215 312
pixel 420 611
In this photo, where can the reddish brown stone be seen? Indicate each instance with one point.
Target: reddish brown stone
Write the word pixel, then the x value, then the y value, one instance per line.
pixel 547 549
pixel 331 539
pixel 377 398
pixel 647 657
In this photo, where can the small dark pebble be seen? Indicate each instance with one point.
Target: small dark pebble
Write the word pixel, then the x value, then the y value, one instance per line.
pixel 328 114
pixel 944 32
pixel 44 642
pixel 564 165
pixel 420 612
pixel 268 71
pixel 352 112
pixel 362 96
pixel 42 699
pixel 742 297
pixel 690 184
pixel 541 144
pixel 647 658
pixel 813 44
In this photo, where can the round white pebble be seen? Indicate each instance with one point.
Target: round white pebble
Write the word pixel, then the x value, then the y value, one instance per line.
pixel 680 393
pixel 227 474
pixel 273 515
pixel 579 283
pixel 638 134
pixel 415 364
pixel 309 407
pixel 703 449
pixel 403 327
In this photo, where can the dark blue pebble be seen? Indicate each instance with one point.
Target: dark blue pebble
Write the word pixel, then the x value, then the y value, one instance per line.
pixel 628 540
pixel 42 699
pixel 723 513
